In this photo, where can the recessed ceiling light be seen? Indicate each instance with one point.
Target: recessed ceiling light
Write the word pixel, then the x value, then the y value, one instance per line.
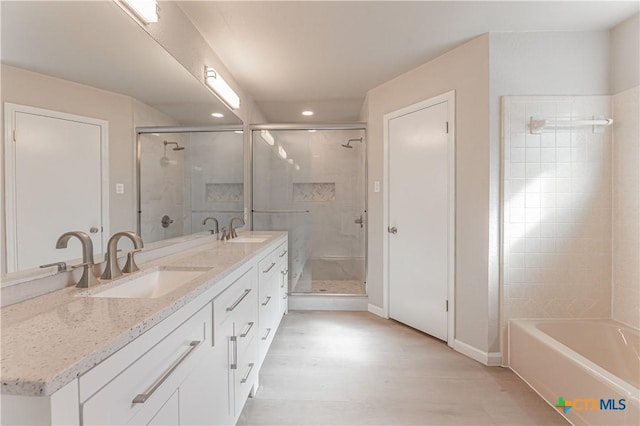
pixel 307 113
pixel 217 115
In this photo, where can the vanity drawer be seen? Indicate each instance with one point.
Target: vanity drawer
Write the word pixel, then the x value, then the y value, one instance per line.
pixel 236 297
pixel 151 380
pixel 267 267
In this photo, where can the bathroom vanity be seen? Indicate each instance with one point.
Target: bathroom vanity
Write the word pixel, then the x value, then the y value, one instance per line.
pixel 179 342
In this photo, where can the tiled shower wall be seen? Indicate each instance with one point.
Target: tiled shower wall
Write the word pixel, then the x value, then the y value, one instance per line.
pixel 217 174
pixel 556 211
pixel 626 207
pixel 164 183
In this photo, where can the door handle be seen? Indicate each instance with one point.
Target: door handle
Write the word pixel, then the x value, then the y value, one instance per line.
pixel 392 230
pixel 94 230
pixel 360 221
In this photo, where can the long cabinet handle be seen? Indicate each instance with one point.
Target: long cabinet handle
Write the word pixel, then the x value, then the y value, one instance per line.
pixel 267 300
pixel 237 302
pixel 284 274
pixel 246 375
pixel 266 335
pixel 283 253
pixel 234 342
pixel 269 268
pixel 142 398
pixel 246 332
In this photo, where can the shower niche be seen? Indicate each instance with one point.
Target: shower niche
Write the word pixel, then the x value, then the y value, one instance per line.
pixel 185 177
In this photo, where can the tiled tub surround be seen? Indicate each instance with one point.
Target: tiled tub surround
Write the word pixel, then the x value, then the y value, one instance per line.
pixel 556 211
pixel 49 341
pixel 626 207
pixel 591 359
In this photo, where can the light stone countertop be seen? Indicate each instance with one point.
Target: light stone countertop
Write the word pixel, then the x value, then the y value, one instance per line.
pixel 50 340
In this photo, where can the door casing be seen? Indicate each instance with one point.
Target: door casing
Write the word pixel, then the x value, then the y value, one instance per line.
pixel 448 97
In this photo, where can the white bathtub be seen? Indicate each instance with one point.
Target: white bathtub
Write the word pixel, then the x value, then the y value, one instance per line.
pixel 582 361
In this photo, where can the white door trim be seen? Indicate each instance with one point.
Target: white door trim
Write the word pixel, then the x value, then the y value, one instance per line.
pixel 10 111
pixel 445 97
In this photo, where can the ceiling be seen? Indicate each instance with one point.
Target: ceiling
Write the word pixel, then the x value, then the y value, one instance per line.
pixel 325 56
pixel 96 43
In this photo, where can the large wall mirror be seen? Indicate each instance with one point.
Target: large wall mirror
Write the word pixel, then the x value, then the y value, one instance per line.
pixel 92 60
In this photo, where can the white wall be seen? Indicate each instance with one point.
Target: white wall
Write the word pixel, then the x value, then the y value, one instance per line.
pixel 625 51
pixel 465 70
pixel 625 80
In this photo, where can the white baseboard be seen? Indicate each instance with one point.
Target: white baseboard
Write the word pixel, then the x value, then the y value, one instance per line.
pixel 302 302
pixel 491 359
pixel 377 311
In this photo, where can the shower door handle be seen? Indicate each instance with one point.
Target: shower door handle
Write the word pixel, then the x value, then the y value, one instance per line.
pixel 360 221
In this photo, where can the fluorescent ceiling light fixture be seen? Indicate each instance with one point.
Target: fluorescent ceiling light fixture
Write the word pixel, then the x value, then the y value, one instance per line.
pixel 307 113
pixel 268 137
pixel 217 115
pixel 145 10
pixel 282 153
pixel 221 88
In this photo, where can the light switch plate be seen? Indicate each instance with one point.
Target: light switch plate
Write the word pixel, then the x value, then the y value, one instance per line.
pixel 376 186
pixel 119 188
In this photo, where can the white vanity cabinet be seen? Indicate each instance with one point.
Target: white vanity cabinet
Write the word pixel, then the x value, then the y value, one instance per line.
pixel 136 393
pixel 236 357
pixel 195 367
pixel 283 268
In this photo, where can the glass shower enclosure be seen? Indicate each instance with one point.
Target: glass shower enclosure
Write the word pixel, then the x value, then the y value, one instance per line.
pixel 312 184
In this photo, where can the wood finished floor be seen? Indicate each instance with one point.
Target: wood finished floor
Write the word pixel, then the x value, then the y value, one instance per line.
pixel 354 368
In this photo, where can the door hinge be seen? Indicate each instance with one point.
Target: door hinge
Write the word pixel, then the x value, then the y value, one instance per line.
pixel 447 127
pixel 14 135
pixel 447 305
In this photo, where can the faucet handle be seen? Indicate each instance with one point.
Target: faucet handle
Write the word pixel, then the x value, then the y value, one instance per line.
pixel 131 266
pixel 225 235
pixel 88 279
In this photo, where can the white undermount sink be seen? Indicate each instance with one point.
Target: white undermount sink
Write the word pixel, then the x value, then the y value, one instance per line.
pixel 151 285
pixel 260 239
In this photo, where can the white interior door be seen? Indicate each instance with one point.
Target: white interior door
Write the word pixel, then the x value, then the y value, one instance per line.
pixel 56 186
pixel 420 215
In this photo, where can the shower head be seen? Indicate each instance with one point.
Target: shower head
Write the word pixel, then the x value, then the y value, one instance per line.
pixel 348 144
pixel 177 148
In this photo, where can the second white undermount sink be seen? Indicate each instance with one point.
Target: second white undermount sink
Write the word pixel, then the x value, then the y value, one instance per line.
pixel 151 285
pixel 260 239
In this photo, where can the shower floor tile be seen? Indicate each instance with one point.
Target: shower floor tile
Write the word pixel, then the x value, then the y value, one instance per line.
pixel 332 287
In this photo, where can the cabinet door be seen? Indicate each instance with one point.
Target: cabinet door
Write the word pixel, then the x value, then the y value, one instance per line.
pixel 204 394
pixel 219 389
pixel 168 414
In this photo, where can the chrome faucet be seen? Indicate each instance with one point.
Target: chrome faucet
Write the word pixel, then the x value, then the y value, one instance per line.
pixel 216 229
pixel 88 278
pixel 112 270
pixel 232 231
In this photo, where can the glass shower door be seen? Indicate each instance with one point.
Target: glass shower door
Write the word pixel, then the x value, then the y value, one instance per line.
pixel 312 184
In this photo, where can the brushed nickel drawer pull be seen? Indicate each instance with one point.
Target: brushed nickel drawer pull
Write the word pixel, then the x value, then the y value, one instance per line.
pixel 247 374
pixel 142 398
pixel 237 302
pixel 266 302
pixel 234 364
pixel 246 332
pixel 267 335
pixel 283 253
pixel 269 268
